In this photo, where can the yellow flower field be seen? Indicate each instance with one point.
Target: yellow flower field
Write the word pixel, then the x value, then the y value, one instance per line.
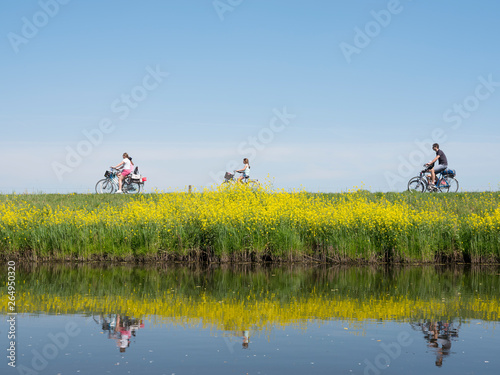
pixel 237 223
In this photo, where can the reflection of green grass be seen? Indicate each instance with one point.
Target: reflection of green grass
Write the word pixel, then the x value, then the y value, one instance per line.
pixel 455 292
pixel 284 282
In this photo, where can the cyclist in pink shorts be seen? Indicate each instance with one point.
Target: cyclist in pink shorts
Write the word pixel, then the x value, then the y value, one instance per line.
pixel 127 169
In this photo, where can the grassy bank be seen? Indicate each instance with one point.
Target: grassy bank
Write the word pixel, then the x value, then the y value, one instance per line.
pixel 237 224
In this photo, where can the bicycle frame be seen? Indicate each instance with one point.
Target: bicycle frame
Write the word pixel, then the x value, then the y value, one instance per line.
pixel 421 182
pixel 440 179
pixel 244 180
pixel 113 178
pixel 128 185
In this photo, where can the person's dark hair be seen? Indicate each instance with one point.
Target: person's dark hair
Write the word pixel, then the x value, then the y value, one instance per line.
pixel 245 161
pixel 435 145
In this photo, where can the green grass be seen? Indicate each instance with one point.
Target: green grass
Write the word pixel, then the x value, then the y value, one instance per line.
pixel 446 236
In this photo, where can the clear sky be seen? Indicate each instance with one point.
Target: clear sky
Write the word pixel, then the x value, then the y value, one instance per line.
pixel 324 95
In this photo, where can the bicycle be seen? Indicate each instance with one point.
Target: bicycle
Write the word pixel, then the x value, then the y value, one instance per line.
pixel 231 178
pixel 109 184
pixel 445 181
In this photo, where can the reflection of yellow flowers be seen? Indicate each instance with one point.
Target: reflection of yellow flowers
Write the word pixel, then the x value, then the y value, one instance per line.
pixel 262 311
pixel 235 219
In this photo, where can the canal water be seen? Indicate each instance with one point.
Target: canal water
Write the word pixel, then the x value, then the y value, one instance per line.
pixel 173 319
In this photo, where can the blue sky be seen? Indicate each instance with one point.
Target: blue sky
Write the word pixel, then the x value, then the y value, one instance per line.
pixel 325 95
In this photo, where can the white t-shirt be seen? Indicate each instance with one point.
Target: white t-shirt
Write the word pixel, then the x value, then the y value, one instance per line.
pixel 127 164
pixel 246 171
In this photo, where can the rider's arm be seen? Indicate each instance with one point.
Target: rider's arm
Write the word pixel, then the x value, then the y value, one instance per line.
pixel 433 160
pixel 118 166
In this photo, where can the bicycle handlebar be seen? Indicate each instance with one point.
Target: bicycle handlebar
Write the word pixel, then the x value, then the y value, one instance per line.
pixel 427 167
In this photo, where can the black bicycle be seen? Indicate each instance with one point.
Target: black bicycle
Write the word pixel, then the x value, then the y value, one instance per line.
pixel 445 181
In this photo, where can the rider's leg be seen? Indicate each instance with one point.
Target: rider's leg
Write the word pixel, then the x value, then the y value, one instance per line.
pixel 120 179
pixel 438 169
pixel 433 176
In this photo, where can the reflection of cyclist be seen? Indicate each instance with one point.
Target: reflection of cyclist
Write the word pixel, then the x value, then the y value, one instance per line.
pixel 109 324
pixel 443 163
pixel 246 339
pixel 135 325
pixel 245 171
pixel 124 341
pixel 439 339
pixel 439 336
pixel 120 328
pixel 127 169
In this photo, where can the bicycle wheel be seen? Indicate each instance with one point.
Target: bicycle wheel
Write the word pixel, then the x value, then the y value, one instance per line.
pixel 131 187
pixel 104 186
pixel 254 184
pixel 451 185
pixel 416 185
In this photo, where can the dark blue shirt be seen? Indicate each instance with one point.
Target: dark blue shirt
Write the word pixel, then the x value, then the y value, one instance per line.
pixel 442 157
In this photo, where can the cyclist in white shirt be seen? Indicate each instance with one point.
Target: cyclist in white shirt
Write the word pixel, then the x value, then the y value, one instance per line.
pixel 245 171
pixel 127 169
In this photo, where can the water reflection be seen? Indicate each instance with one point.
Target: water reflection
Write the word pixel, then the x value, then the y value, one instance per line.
pixel 234 299
pixel 254 308
pixel 242 337
pixel 439 336
pixel 238 300
pixel 119 328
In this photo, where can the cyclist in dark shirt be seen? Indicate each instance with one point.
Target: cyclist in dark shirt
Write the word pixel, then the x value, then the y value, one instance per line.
pixel 443 163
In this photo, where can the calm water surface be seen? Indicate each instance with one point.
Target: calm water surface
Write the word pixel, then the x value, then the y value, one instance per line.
pixel 255 320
